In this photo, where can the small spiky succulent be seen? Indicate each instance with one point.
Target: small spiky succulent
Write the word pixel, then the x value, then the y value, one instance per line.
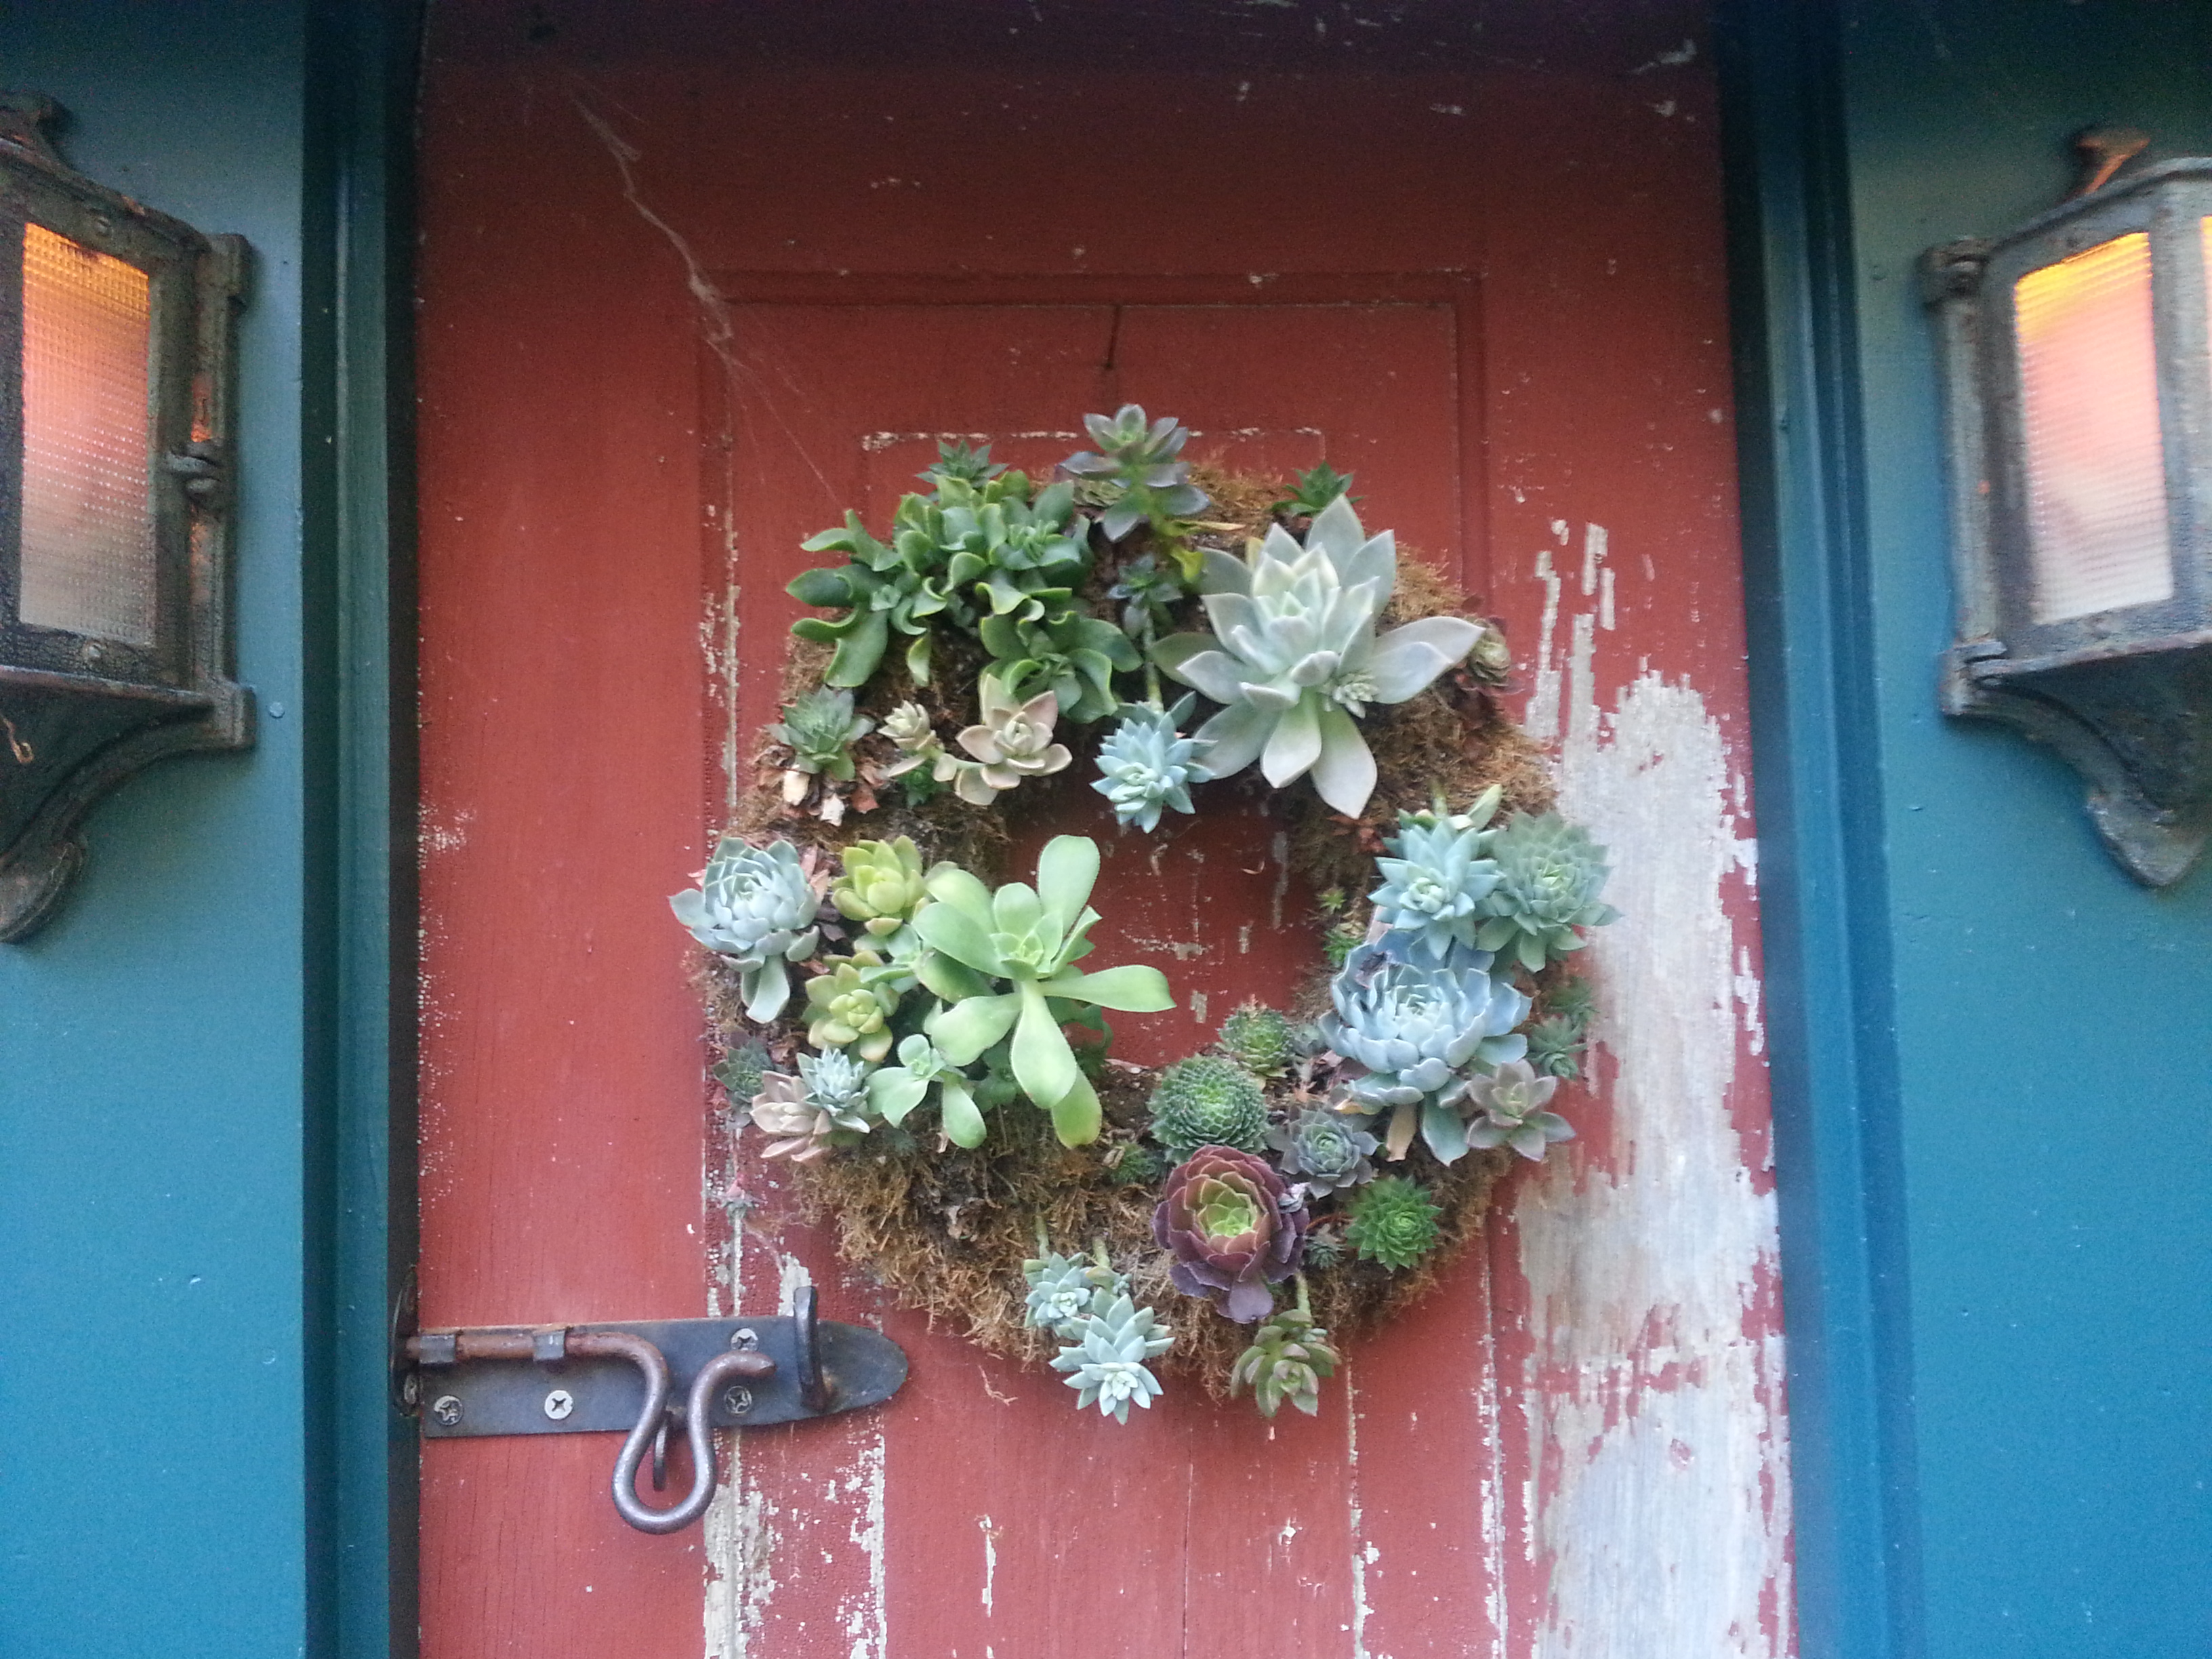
pixel 1013 741
pixel 1316 487
pixel 1288 1360
pixel 1148 592
pixel 1140 1166
pixel 1433 886
pixel 1208 1101
pixel 1324 1248
pixel 1511 1111
pixel 755 906
pixel 1264 1041
pixel 1145 765
pixel 881 888
pixel 741 1070
pixel 1139 456
pixel 1549 876
pixel 957 459
pixel 849 1004
pixel 1061 1288
pixel 1325 1150
pixel 1555 1046
pixel 1106 1358
pixel 820 729
pixel 1393 1221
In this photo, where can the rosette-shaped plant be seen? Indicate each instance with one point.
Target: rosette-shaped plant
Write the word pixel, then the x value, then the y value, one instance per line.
pixel 1139 456
pixel 1418 1029
pixel 754 906
pixel 741 1071
pixel 896 1091
pixel 1509 1111
pixel 1326 1151
pixel 1288 1359
pixel 1263 1040
pixel 1107 1358
pixel 1549 876
pixel 881 589
pixel 1145 765
pixel 805 1116
pixel 881 888
pixel 1433 887
pixel 821 729
pixel 1061 1288
pixel 1294 656
pixel 1223 1220
pixel 1003 962
pixel 1393 1221
pixel 1013 741
pixel 1555 1046
pixel 849 1004
pixel 1207 1101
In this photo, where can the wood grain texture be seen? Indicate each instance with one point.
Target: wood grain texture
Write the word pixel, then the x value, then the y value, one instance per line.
pixel 682 307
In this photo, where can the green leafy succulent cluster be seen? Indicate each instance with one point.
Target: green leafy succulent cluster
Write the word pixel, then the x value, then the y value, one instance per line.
pixel 1208 1101
pixel 1315 487
pixel 1393 1221
pixel 1549 876
pixel 1289 1360
pixel 1560 1031
pixel 1264 1041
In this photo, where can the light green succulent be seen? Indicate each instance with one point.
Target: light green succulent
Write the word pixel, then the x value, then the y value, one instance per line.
pixel 849 1004
pixel 1070 656
pixel 1288 1359
pixel 1002 963
pixel 1264 1041
pixel 755 906
pixel 1011 741
pixel 1549 876
pixel 1294 657
pixel 1555 1046
pixel 821 729
pixel 1393 1221
pixel 1145 765
pixel 1208 1101
pixel 958 459
pixel 896 1091
pixel 881 888
pixel 1143 480
pixel 1315 489
pixel 741 1071
pixel 1107 1358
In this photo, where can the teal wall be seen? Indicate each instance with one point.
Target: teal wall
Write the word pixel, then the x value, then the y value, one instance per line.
pixel 1995 1060
pixel 174 1081
pixel 2053 1019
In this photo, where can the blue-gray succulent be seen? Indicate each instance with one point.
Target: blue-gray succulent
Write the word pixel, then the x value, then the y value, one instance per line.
pixel 1549 876
pixel 1420 1030
pixel 1107 1357
pixel 1433 887
pixel 1294 657
pixel 754 906
pixel 1145 765
pixel 1509 1111
pixel 1324 1149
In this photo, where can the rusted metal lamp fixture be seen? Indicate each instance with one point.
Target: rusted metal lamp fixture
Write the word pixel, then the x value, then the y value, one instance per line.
pixel 2079 407
pixel 115 393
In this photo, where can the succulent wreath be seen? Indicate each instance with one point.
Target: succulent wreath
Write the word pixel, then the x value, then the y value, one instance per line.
pixel 928 1045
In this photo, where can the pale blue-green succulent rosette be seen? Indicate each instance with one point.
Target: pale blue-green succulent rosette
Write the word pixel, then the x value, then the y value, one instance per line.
pixel 1420 1030
pixel 754 906
pixel 1145 765
pixel 1434 887
pixel 1294 658
pixel 1107 1356
pixel 1003 962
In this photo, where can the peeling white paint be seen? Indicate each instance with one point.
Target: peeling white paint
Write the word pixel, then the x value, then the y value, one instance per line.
pixel 1661 1507
pixel 990 1560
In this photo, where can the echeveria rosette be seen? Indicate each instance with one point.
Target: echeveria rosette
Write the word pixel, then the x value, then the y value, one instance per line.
pixel 1324 1151
pixel 1418 1028
pixel 849 1004
pixel 1139 456
pixel 755 906
pixel 1061 1288
pixel 1549 876
pixel 1395 1222
pixel 1289 1358
pixel 896 1091
pixel 1145 765
pixel 1002 961
pixel 820 729
pixel 1294 657
pixel 1509 1111
pixel 1264 1041
pixel 1107 1358
pixel 881 886
pixel 825 1104
pixel 1011 741
pixel 1434 884
pixel 1222 1217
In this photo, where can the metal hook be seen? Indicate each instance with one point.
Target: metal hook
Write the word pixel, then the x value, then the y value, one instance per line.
pixel 813 1391
pixel 698 1423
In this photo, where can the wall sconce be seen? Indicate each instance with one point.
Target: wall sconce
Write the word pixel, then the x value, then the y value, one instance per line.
pixel 115 395
pixel 2078 396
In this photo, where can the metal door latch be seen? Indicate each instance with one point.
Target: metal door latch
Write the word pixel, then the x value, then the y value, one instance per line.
pixel 645 1377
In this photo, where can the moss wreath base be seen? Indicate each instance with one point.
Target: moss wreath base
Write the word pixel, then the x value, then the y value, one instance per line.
pixel 965 1233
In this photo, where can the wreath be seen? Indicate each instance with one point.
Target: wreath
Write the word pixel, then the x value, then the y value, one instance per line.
pixel 923 1039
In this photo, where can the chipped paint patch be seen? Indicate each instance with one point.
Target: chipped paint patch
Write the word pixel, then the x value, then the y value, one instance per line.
pixel 990 1560
pixel 1659 1452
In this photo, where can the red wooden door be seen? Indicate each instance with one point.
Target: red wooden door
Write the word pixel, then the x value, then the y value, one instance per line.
pixel 695 279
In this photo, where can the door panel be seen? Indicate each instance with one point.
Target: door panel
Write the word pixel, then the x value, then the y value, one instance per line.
pixel 695 279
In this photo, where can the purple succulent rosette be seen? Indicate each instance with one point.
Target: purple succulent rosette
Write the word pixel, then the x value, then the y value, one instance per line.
pixel 1223 1220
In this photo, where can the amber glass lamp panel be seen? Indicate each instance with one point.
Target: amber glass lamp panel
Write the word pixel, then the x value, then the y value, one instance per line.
pixel 2098 529
pixel 88 561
